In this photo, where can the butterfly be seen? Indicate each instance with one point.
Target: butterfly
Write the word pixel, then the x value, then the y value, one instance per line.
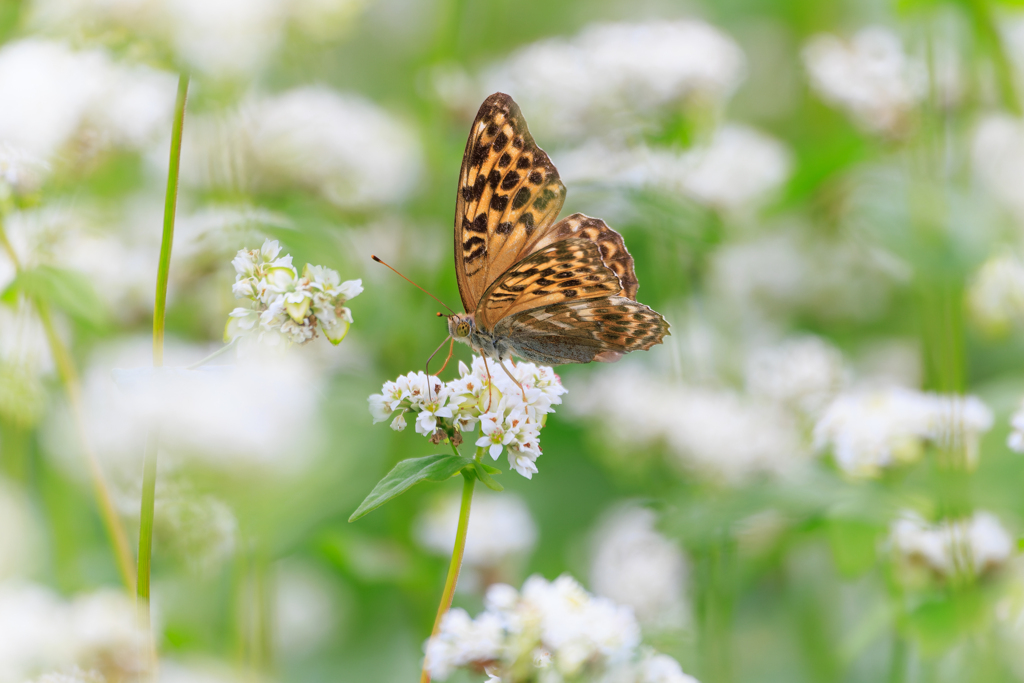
pixel 544 291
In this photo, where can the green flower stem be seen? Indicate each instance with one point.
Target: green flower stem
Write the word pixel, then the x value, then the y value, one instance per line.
pixel 219 352
pixel 159 314
pixel 456 564
pixel 69 378
pixel 981 13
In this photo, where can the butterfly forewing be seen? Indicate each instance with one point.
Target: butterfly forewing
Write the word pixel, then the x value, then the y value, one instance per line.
pixel 567 270
pixel 509 191
pixel 583 331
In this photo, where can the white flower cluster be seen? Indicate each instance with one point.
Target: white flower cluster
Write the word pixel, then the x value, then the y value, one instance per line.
pixel 57 96
pixel 637 566
pixel 871 77
pixel 40 632
pixel 738 167
pixel 287 307
pixel 485 395
pixel 551 632
pixel 613 76
pixel 717 434
pixel 974 545
pixel 1016 438
pixel 228 38
pixel 868 430
pixel 803 373
pixel 996 295
pixel 347 149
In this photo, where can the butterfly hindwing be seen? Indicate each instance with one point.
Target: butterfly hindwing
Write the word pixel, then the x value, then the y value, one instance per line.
pixel 509 191
pixel 582 331
pixel 612 246
pixel 565 271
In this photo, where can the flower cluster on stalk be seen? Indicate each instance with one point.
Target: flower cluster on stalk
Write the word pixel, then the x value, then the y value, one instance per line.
pixel 510 416
pixel 287 307
pixel 549 632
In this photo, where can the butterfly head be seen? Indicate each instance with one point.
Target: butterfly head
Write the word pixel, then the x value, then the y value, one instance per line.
pixel 461 325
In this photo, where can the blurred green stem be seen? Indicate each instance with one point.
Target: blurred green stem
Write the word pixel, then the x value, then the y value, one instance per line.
pixel 985 23
pixel 69 378
pixel 457 552
pixel 159 309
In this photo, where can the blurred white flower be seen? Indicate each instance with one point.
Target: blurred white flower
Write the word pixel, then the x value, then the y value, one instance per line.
pixel 737 168
pixel 783 273
pixel 871 77
pixel 802 373
pixel 40 632
pixel 305 609
pixel 349 150
pixel 612 78
pixel 1016 438
pixel 870 429
pixel 975 545
pixel 634 565
pixel 501 531
pixel 996 294
pixel 997 160
pixel 253 419
pixel 205 672
pixel 53 93
pixel 224 38
pixel 714 433
pixel 74 676
pixel 20 171
pixel 555 629
pixel 19 542
pixel 287 308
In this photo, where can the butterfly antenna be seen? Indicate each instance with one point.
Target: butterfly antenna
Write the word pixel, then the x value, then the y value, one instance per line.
pixel 412 283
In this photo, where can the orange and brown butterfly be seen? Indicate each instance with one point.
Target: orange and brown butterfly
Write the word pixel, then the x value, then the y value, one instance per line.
pixel 544 291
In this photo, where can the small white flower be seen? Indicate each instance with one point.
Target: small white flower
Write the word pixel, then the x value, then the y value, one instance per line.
pixel 426 421
pixel 977 544
pixel 380 408
pixel 398 424
pixel 494 433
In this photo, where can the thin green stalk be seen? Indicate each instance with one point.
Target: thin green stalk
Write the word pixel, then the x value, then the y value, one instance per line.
pixel 981 12
pixel 219 352
pixel 69 378
pixel 456 564
pixel 148 504
pixel 170 202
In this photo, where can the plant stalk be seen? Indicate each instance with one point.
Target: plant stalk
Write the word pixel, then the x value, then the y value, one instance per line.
pixel 69 378
pixel 456 564
pixel 148 504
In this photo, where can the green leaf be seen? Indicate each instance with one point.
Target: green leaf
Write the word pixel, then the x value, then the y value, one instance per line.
pixel 483 473
pixel 67 290
pixel 936 625
pixel 408 473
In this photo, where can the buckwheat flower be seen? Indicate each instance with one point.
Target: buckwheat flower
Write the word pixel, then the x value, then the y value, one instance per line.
pixel 1016 438
pixel 549 631
pixel 107 636
pixel 495 432
pixel 285 305
pixel 501 532
pixel 870 76
pixel 869 430
pixel 510 417
pixel 803 373
pixel 976 545
pixel 995 297
pixel 431 410
pixel 635 565
pixel 461 641
pixel 342 147
pixel 615 77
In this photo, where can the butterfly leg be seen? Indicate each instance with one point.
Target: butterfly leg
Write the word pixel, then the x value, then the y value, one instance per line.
pixel 502 363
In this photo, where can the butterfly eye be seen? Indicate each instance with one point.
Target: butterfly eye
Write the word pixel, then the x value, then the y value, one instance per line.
pixel 462 330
